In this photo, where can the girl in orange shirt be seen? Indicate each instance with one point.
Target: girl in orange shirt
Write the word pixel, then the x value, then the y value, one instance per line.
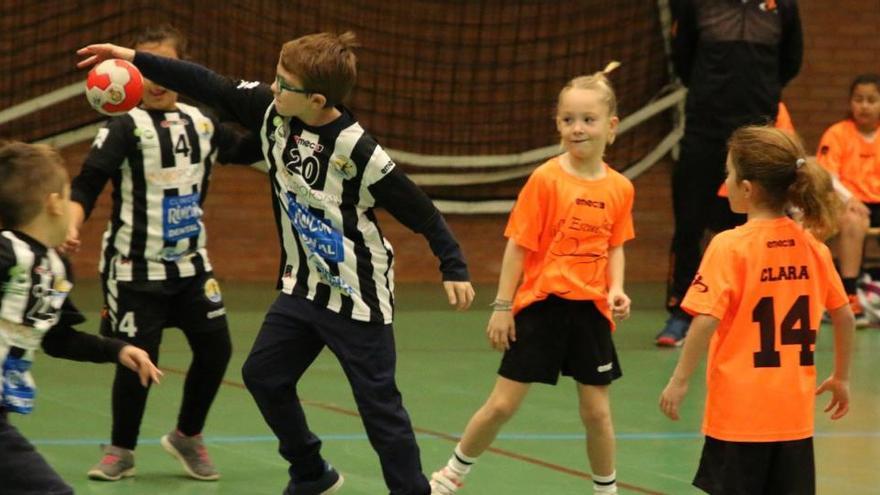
pixel 759 296
pixel 850 150
pixel 565 244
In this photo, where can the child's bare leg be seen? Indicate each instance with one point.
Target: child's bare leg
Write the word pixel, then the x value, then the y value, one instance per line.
pixel 595 411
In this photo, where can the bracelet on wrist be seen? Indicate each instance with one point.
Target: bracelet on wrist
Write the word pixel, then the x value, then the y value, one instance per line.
pixel 501 305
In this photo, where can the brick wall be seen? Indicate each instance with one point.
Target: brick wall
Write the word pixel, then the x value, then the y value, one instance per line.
pixel 840 41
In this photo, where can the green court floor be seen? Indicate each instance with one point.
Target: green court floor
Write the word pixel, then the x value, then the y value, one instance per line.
pixel 445 370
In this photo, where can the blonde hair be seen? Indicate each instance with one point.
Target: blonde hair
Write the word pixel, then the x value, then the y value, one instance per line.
pixel 28 173
pixel 324 62
pixel 599 82
pixel 776 161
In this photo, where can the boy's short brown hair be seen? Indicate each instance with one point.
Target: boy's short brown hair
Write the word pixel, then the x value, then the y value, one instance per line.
pixel 28 173
pixel 324 62
pixel 159 34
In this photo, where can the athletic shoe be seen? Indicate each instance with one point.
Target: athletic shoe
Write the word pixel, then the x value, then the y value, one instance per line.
pixel 192 454
pixel 445 482
pixel 861 319
pixel 116 464
pixel 329 482
pixel 674 332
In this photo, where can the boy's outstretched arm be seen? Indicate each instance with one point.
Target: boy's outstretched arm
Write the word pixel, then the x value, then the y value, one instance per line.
pixel 245 101
pixel 695 347
pixel 410 206
pixel 838 383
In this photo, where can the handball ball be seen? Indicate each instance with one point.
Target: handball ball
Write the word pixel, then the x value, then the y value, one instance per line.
pixel 114 87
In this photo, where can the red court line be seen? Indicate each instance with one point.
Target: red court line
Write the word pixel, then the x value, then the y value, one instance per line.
pixel 445 436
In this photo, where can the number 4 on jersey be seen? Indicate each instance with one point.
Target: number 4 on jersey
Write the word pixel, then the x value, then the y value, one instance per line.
pixel 804 335
pixel 127 325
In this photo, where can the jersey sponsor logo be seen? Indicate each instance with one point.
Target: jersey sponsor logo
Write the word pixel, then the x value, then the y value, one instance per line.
pixel 175 176
pixel 768 6
pixel 18 389
pixel 217 313
pixel 314 197
pixel 781 273
pixel 100 137
pixel 180 217
pixel 247 84
pixel 590 203
pixel 316 234
pixel 345 166
pixel 388 166
pixel 328 277
pixel 212 292
pixel 206 127
pixel 698 285
pixel 305 143
pixel 173 122
pixel 18 281
pixel 781 243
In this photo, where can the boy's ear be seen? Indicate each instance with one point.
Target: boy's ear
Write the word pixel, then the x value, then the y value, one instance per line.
pixel 318 100
pixel 55 204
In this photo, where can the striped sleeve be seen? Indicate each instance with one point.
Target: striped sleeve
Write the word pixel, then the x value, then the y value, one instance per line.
pixel 109 149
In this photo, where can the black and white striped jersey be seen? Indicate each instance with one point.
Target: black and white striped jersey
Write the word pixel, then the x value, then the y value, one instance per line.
pixel 35 312
pixel 159 163
pixel 325 183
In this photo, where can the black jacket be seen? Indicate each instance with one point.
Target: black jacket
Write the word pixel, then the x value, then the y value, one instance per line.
pixel 734 56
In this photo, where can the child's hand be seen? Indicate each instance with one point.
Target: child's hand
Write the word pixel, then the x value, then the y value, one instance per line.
pixel 460 294
pixel 72 243
pixel 501 330
pixel 672 397
pixel 839 396
pixel 137 360
pixel 619 303
pixel 101 52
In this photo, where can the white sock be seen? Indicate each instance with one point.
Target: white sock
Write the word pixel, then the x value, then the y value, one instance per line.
pixel 459 463
pixel 605 484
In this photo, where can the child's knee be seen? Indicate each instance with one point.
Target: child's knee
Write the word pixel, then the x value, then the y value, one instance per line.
pixel 595 415
pixel 500 409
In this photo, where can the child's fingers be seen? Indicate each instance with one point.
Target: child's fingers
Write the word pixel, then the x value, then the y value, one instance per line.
pixel 842 409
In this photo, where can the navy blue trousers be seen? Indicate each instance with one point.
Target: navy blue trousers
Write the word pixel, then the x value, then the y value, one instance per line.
pixel 294 332
pixel 23 471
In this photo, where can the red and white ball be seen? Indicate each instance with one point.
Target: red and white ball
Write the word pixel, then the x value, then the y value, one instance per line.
pixel 114 87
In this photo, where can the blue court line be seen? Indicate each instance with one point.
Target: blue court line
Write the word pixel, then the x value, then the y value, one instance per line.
pixel 504 436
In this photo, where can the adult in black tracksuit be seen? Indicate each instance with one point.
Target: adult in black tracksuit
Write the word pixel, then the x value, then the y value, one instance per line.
pixel 734 56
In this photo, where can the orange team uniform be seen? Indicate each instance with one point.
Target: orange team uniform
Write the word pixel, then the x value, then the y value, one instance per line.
pixel 768 281
pixel 845 153
pixel 783 122
pixel 567 224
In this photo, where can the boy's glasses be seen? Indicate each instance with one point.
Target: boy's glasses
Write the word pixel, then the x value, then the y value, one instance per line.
pixel 283 86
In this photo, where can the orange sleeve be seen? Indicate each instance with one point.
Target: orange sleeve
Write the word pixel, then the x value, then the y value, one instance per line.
pixel 623 229
pixel 712 289
pixel 783 119
pixel 830 150
pixel 526 219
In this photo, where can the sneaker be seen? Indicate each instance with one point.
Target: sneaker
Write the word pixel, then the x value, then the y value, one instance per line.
pixel 445 482
pixel 861 319
pixel 192 454
pixel 329 482
pixel 673 332
pixel 116 464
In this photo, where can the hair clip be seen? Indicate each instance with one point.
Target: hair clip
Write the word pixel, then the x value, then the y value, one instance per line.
pixel 799 163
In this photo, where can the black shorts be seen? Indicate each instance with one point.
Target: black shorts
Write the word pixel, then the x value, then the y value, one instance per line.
pixel 137 312
pixel 757 468
pixel 560 335
pixel 875 214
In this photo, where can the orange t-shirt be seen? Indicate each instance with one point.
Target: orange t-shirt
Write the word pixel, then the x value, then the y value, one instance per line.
pixel 845 153
pixel 567 224
pixel 768 281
